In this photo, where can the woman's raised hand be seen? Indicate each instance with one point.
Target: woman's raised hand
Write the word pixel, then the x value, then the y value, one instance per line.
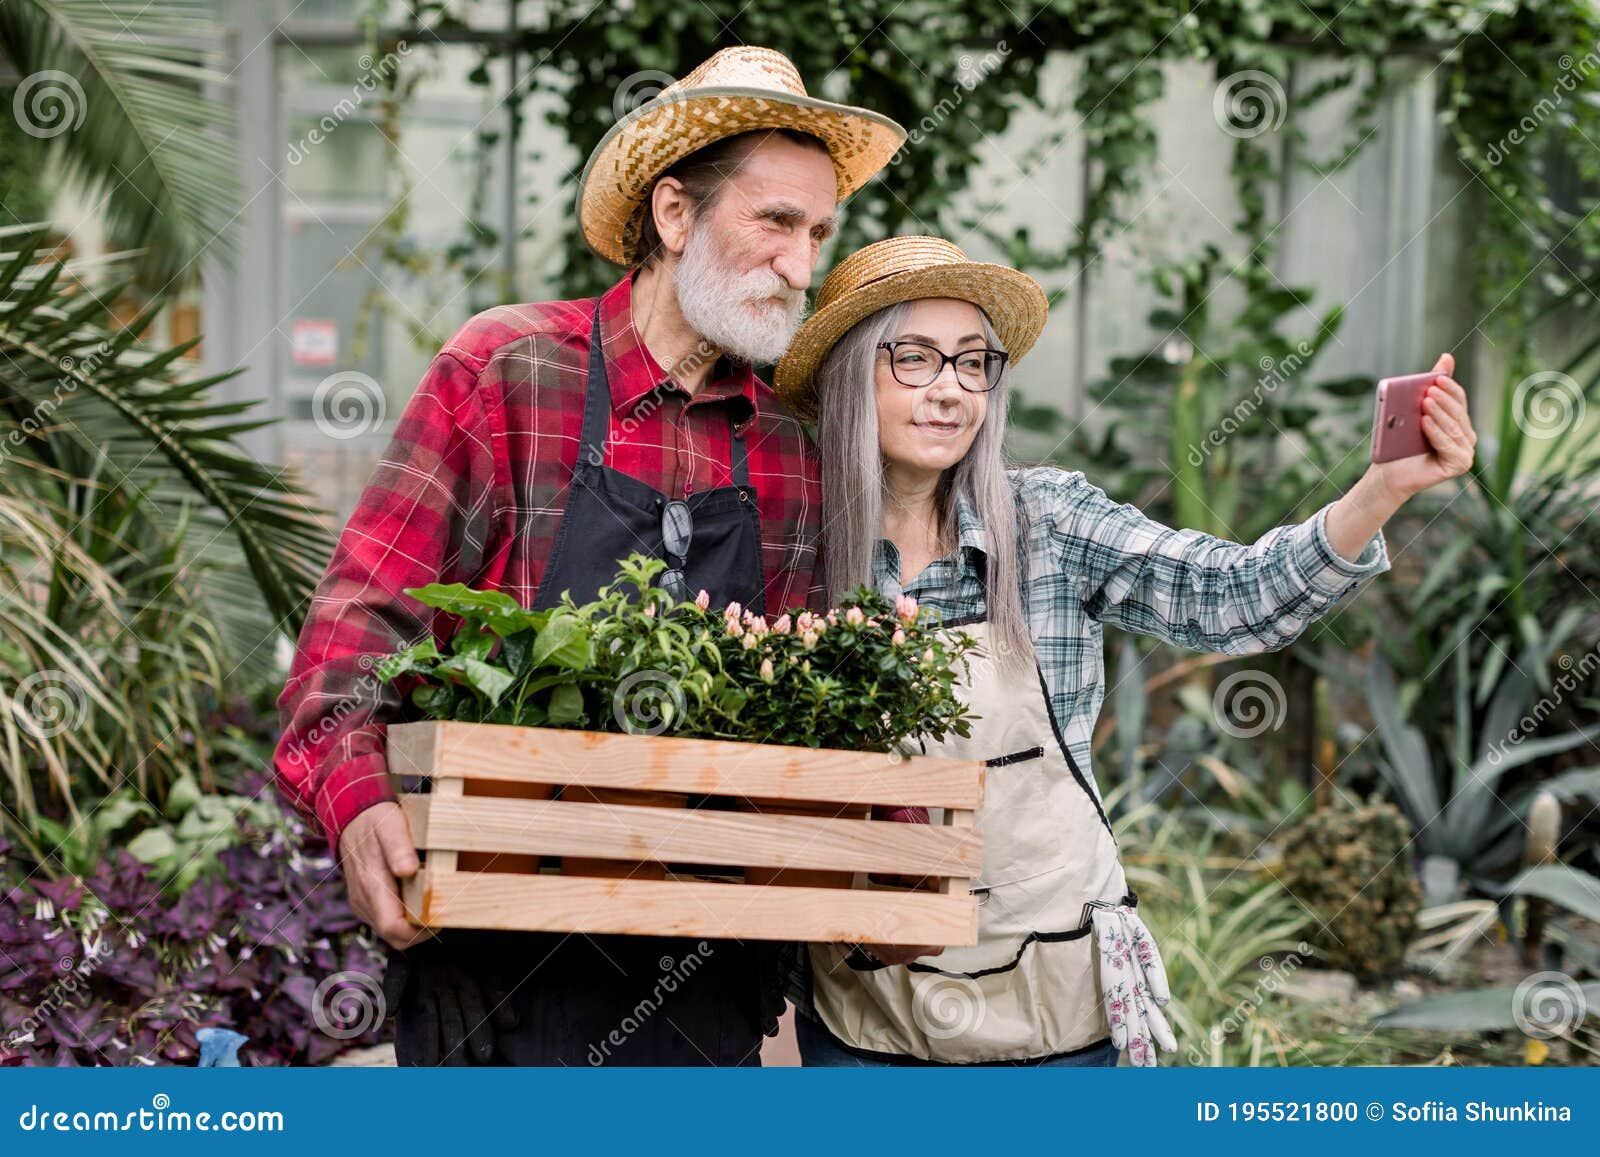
pixel 1451 439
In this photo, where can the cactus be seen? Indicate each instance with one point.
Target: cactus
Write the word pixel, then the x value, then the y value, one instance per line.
pixel 1349 866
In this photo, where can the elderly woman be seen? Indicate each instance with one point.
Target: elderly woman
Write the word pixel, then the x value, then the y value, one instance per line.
pixel 905 366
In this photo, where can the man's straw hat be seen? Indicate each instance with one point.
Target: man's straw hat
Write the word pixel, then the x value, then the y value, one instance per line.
pixel 738 90
pixel 901 269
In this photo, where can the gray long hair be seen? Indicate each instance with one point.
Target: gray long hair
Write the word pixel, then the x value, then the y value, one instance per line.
pixel 853 485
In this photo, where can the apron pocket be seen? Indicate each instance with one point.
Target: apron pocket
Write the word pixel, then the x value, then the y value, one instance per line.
pixel 1046 1001
pixel 1019 819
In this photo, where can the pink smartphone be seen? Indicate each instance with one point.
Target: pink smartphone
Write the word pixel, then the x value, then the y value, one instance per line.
pixel 1397 418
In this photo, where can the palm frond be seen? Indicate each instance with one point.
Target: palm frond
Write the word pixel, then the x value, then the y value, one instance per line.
pixel 125 93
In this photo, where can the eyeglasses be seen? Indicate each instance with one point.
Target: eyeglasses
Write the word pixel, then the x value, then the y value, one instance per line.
pixel 916 364
pixel 677 528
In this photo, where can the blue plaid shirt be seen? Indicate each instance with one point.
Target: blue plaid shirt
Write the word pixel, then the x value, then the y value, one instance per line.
pixel 1088 561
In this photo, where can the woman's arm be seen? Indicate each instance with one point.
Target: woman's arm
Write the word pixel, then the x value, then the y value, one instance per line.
pixel 1199 591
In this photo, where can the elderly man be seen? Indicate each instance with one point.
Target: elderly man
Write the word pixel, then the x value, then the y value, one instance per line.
pixel 546 442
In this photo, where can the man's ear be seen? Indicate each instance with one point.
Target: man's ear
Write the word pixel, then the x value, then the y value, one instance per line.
pixel 673 212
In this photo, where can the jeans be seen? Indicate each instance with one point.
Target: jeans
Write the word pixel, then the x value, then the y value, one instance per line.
pixel 819 1047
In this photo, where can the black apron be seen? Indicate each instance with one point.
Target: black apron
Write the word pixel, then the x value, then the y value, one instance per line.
pixel 630 1000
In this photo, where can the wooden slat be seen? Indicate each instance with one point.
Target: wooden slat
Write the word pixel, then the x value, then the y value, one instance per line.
pixel 666 763
pixel 680 908
pixel 701 836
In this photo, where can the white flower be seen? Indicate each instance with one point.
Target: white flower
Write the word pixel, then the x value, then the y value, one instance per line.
pixel 855 616
pixel 766 671
pixel 748 642
pixel 783 624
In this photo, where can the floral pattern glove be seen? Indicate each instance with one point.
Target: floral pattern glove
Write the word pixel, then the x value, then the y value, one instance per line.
pixel 1134 982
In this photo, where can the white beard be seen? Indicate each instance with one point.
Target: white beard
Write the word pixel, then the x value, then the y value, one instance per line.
pixel 720 304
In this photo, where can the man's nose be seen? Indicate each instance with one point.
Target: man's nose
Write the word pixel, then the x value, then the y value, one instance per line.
pixel 795 262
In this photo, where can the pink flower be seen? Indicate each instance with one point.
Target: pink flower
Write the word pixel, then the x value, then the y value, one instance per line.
pixel 854 616
pixel 808 640
pixel 748 642
pixel 927 656
pixel 898 638
pixel 703 599
pixel 783 624
pixel 766 671
pixel 734 629
pixel 758 624
pixel 732 611
pixel 650 611
pixel 906 607
pixel 803 623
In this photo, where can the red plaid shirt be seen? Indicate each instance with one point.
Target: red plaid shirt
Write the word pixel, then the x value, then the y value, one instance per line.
pixel 472 488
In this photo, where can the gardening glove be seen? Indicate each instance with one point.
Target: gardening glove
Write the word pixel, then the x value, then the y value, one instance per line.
pixel 456 1000
pixel 1134 982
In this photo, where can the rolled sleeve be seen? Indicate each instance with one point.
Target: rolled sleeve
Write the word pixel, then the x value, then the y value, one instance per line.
pixel 1323 569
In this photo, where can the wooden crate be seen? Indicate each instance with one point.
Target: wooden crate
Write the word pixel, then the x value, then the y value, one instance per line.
pixel 540 829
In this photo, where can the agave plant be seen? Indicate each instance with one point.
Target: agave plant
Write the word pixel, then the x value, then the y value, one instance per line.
pixel 1469 819
pixel 145 560
pixel 120 92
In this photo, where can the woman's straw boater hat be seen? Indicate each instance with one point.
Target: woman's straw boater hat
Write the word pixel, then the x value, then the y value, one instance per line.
pixel 738 90
pixel 901 269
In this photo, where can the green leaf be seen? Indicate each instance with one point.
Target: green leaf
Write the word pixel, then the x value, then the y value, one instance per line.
pixel 1576 891
pixel 1483 1010
pixel 496 610
pixel 152 845
pixel 566 705
pixel 472 643
pixel 417 660
pixel 564 642
pixel 485 678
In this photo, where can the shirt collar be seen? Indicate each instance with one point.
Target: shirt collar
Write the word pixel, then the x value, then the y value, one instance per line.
pixel 970 539
pixel 633 372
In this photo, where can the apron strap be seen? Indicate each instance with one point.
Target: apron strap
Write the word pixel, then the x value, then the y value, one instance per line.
pixel 596 401
pixel 740 454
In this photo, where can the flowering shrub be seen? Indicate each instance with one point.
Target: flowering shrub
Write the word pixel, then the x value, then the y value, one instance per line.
pixel 106 969
pixel 867 676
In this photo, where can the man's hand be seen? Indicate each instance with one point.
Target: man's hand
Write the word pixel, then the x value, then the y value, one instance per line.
pixel 373 850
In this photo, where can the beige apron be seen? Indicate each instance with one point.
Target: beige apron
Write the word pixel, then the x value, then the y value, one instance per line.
pixel 1029 989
